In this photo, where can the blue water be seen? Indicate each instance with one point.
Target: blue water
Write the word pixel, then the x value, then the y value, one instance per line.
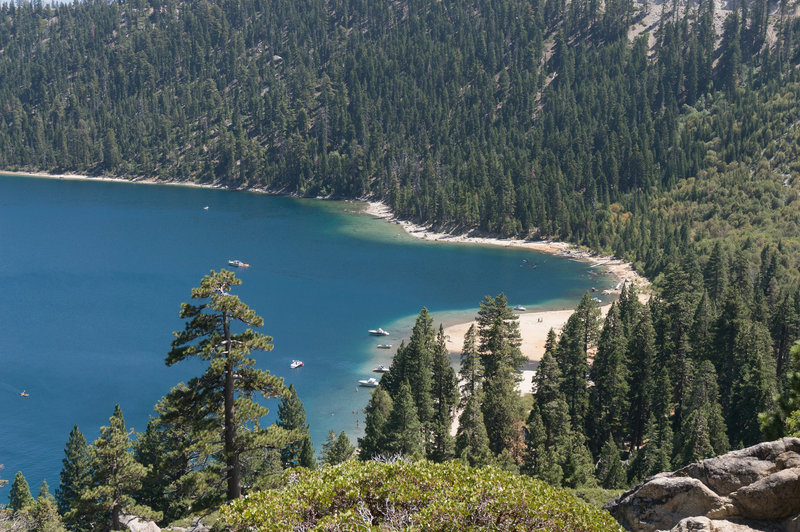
pixel 92 276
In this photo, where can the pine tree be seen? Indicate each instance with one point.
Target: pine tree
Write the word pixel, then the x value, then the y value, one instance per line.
pixel 377 413
pixel 115 475
pixel 412 363
pixel 337 449
pixel 471 371
pixel 716 274
pixel 535 438
pixel 403 429
pixel 228 386
pixel 730 54
pixel 183 474
pixel 501 401
pixel 703 431
pixel 678 295
pixel 498 331
pixel 292 417
pixel 44 513
pixel 641 348
pixel 445 397
pixel 306 457
pixel 500 340
pixel 472 443
pixel 773 421
pixel 630 308
pixel 785 328
pixel 752 388
pixel 700 337
pixel 579 334
pixel 20 496
pixel 656 454
pixel 609 404
pixel 577 463
pixel 549 397
pixel 610 471
pixel 76 477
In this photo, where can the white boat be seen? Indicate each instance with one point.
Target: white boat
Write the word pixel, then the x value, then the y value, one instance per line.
pixel 238 264
pixel 378 332
pixel 384 346
pixel 381 369
pixel 520 308
pixel 296 364
pixel 372 382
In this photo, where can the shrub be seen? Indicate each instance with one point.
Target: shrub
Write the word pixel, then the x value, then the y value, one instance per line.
pixel 415 496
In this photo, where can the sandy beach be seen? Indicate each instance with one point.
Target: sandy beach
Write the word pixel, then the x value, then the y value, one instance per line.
pixel 533 324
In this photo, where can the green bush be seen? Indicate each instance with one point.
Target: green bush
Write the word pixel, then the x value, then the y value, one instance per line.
pixel 413 496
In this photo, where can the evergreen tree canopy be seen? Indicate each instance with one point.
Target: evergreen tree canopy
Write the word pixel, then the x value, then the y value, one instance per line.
pixel 223 397
pixel 20 495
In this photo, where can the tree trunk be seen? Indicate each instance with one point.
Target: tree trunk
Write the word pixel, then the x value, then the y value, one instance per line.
pixel 231 456
pixel 115 524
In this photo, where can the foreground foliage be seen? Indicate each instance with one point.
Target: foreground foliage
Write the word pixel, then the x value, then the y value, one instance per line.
pixel 419 495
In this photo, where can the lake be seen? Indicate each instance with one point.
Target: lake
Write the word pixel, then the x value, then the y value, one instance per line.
pixel 93 275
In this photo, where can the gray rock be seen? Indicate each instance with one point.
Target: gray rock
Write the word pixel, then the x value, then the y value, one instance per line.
pixel 704 524
pixel 757 488
pixel 774 497
pixel 136 524
pixel 662 501
pixel 729 472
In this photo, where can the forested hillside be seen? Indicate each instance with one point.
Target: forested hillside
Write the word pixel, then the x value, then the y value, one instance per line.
pixel 675 149
pixel 515 117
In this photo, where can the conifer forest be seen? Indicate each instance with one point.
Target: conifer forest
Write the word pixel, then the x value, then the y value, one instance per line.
pixel 665 134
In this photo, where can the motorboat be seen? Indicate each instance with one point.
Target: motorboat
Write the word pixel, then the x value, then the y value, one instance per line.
pixel 378 332
pixel 238 264
pixel 381 369
pixel 23 393
pixel 372 382
pixel 384 346
pixel 296 364
pixel 520 308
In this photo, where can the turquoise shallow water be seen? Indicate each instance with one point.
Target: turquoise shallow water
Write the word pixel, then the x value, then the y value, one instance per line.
pixel 93 275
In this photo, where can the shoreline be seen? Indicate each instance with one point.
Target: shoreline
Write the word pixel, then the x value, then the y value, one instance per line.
pixel 143 181
pixel 617 268
pixel 536 322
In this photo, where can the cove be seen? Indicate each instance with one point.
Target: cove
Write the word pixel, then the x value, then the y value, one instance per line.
pixel 93 275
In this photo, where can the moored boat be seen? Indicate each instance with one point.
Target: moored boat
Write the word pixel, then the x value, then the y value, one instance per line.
pixel 381 369
pixel 378 332
pixel 384 346
pixel 372 382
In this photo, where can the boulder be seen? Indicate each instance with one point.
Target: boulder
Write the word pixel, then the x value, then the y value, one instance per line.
pixel 729 472
pixel 704 524
pixel 774 497
pixel 757 488
pixel 137 524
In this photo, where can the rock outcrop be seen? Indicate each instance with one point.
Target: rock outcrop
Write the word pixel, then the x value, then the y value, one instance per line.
pixel 137 524
pixel 757 488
